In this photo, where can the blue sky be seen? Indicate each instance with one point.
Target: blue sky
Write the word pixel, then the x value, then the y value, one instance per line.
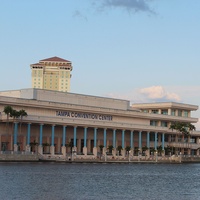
pixel 140 50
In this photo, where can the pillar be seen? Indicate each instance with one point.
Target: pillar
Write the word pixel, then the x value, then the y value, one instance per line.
pixel 63 148
pixel 156 138
pixel 28 149
pixel 15 136
pixel 114 138
pixel 140 140
pixel 131 138
pixel 148 144
pixel 104 142
pixel 95 142
pixel 163 144
pixel 85 141
pixel 52 148
pixel 163 141
pixel 74 145
pixel 114 143
pixel 131 143
pixel 123 151
pixel 40 147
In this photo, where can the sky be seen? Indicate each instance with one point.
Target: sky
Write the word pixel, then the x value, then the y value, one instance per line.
pixel 140 50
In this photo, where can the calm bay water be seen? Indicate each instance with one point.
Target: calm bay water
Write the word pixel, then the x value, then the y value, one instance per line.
pixel 61 181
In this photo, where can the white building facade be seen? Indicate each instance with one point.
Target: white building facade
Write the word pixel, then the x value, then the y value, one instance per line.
pixel 59 122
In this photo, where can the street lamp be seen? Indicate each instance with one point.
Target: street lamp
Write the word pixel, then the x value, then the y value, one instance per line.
pixel 105 155
pixel 138 155
pixel 156 156
pixel 118 155
pixel 129 156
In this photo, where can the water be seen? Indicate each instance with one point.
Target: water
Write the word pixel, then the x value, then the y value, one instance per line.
pixel 62 181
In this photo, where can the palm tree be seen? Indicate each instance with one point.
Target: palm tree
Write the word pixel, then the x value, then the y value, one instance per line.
pixel 101 148
pixel 128 148
pixel 119 148
pixel 110 148
pixel 7 110
pixel 160 150
pixel 22 113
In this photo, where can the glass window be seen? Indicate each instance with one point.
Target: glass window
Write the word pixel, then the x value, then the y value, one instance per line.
pixel 173 112
pixel 185 113
pixel 180 113
pixel 164 112
pixel 173 138
pixel 166 138
pixel 164 124
pixel 179 138
pixel 192 140
pixel 155 111
pixel 153 123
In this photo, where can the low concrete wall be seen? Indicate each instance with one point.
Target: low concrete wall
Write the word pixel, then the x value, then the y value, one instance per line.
pixel 18 157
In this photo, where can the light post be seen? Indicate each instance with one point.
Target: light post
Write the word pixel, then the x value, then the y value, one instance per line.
pixel 180 158
pixel 138 155
pixel 72 155
pixel 105 155
pixel 118 155
pixel 156 156
pixel 129 156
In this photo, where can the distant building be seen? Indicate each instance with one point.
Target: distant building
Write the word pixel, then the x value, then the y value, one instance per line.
pixel 52 74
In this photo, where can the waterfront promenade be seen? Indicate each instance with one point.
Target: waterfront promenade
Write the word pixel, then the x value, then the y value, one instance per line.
pixel 8 156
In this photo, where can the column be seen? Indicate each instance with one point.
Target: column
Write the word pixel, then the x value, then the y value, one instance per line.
pixel 28 149
pixel 74 145
pixel 63 148
pixel 156 138
pixel 123 151
pixel 123 139
pixel 131 140
pixel 140 140
pixel 148 144
pixel 40 147
pixel 85 142
pixel 95 142
pixel 163 144
pixel 131 143
pixel 114 143
pixel 104 142
pixel 52 147
pixel 15 136
pixel 114 138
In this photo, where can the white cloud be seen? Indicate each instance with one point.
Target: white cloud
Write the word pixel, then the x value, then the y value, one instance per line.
pixel 158 93
pixel 146 95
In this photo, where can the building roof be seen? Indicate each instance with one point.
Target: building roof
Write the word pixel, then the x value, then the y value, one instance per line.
pixel 160 105
pixel 54 59
pixel 37 64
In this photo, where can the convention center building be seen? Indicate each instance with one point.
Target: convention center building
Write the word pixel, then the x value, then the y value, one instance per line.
pixel 58 123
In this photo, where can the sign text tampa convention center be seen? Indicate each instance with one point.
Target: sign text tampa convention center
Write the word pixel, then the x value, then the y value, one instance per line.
pixel 84 115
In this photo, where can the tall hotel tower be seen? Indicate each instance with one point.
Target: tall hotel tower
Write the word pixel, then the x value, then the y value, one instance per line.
pixel 52 74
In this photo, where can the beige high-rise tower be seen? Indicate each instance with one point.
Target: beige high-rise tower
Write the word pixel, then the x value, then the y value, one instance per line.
pixel 52 74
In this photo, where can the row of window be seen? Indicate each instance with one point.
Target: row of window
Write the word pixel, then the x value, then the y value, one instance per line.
pixel 172 138
pixel 155 123
pixel 180 113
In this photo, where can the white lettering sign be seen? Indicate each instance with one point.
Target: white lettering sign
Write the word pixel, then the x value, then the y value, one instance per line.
pixel 84 115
